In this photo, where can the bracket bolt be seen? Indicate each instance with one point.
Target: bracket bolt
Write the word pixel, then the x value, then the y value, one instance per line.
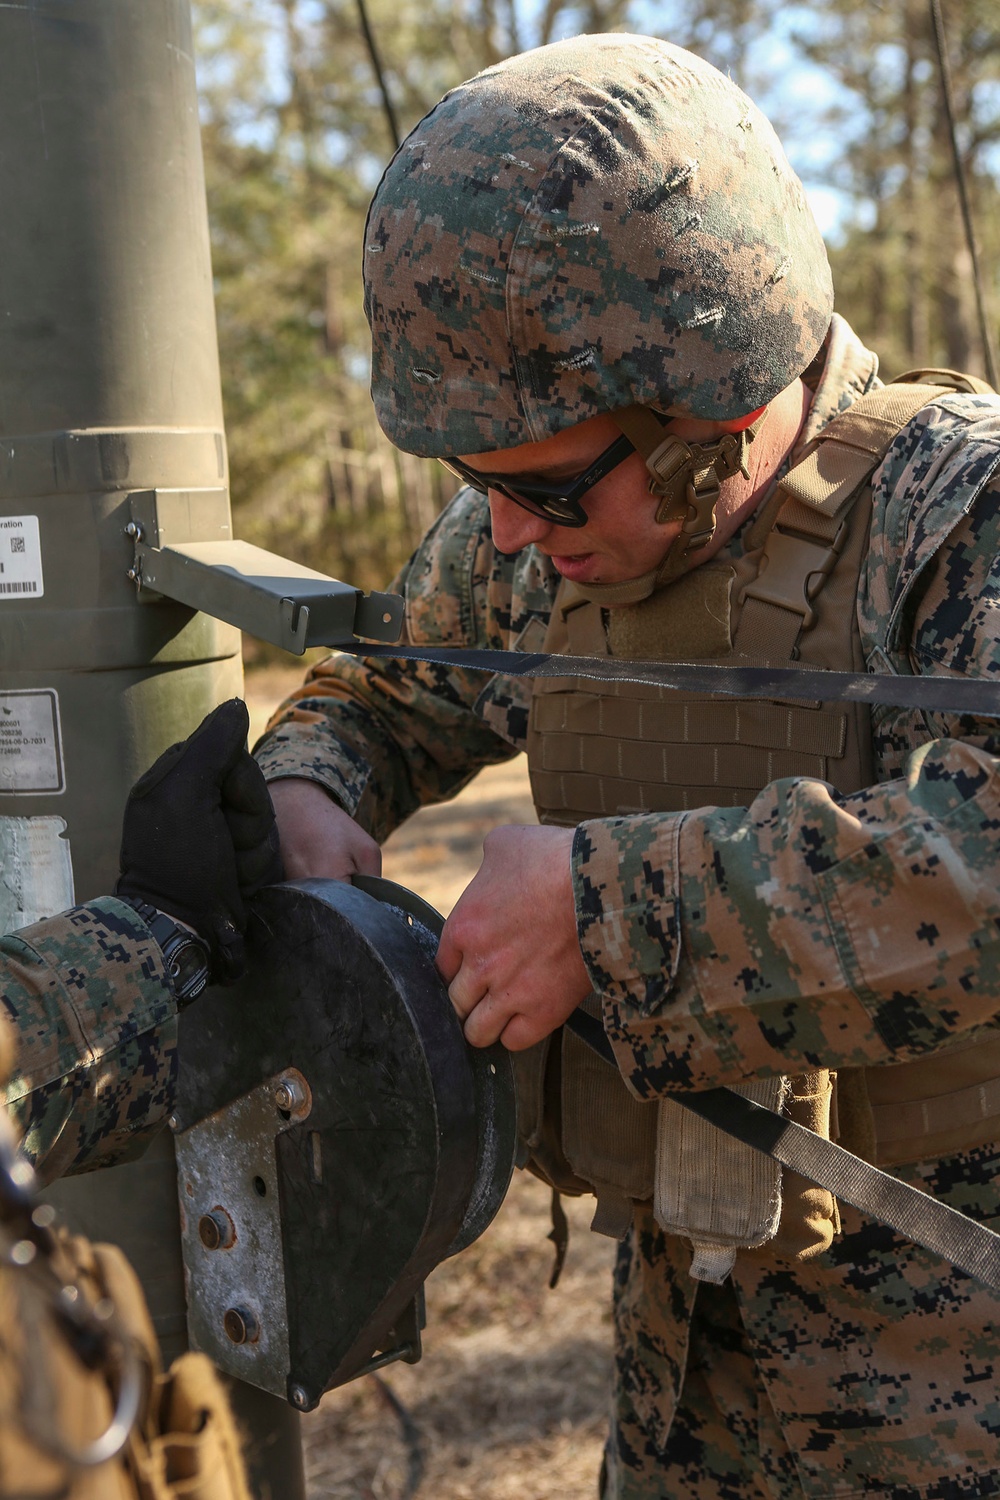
pixel 299 1397
pixel 132 575
pixel 241 1325
pixel 133 531
pixel 289 1094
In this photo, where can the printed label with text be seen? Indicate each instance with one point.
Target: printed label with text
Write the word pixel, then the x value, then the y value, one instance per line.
pixel 20 558
pixel 31 755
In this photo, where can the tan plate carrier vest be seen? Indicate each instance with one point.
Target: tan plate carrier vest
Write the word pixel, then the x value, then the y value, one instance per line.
pixel 601 750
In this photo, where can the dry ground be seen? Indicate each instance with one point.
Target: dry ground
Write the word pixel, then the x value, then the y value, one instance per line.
pixel 510 1399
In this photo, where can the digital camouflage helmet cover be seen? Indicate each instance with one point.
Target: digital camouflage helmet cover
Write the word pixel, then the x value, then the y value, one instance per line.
pixel 602 222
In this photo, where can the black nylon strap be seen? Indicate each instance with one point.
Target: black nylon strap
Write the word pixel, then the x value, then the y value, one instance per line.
pixel 974 1248
pixel 964 695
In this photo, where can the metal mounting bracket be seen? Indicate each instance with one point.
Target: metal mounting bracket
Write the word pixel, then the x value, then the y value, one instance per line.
pixel 184 550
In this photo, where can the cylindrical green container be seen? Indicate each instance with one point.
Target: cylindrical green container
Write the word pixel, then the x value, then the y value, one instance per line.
pixel 109 384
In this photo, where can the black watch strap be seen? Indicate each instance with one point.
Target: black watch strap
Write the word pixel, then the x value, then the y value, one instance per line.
pixel 185 955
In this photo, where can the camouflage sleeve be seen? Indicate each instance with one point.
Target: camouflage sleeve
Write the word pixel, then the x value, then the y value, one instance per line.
pixel 810 930
pixel 386 737
pixel 813 929
pixel 95 1034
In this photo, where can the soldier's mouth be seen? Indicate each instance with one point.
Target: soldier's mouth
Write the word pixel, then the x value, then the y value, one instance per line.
pixel 576 568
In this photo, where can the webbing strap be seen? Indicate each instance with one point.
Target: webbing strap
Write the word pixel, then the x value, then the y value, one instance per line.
pixel 959 695
pixel 909 1119
pixel 936 1226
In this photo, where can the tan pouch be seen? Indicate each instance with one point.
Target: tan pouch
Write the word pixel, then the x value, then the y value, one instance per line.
pixel 184 1445
pixel 195 1454
pixel 715 1191
pixel 538 1076
pixel 809 1214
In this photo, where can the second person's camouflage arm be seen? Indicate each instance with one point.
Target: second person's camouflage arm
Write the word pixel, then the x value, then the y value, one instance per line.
pixel 93 1026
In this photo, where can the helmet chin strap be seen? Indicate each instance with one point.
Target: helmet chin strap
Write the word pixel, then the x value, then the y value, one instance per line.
pixel 686 477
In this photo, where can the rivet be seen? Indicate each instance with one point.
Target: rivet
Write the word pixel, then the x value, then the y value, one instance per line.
pixel 216 1230
pixel 241 1325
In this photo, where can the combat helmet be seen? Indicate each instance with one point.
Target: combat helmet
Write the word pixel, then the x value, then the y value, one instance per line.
pixel 605 224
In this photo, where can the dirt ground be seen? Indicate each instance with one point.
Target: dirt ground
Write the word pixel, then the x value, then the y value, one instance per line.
pixel 509 1401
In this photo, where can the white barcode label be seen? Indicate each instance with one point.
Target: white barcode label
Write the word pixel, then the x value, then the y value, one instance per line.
pixel 20 558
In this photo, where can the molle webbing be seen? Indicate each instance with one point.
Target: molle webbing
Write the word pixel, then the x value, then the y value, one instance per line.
pixel 934 1106
pixel 599 751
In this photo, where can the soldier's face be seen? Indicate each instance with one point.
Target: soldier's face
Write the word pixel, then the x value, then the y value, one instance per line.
pixel 621 539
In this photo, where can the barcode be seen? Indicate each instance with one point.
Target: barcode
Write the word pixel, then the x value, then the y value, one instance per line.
pixel 30 587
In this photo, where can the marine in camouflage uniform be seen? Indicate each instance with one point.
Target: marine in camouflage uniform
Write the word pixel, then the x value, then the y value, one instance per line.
pixel 811 929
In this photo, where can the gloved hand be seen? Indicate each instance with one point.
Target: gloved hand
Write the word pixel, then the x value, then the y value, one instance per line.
pixel 199 836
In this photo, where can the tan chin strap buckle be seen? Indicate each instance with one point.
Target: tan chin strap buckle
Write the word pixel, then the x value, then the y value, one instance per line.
pixel 686 476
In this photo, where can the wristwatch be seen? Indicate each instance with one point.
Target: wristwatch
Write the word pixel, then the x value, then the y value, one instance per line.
pixel 185 954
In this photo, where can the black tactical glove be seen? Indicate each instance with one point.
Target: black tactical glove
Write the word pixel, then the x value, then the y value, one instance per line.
pixel 199 836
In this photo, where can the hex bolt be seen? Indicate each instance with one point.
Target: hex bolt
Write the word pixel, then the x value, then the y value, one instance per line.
pixel 299 1397
pixel 289 1094
pixel 216 1230
pixel 241 1325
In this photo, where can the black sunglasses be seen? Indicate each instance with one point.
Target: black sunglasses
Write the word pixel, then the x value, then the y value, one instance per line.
pixel 553 502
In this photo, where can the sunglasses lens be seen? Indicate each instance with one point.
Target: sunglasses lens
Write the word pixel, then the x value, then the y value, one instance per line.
pixel 540 502
pixel 553 508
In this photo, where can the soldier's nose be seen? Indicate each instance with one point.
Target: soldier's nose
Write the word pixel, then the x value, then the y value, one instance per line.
pixel 512 526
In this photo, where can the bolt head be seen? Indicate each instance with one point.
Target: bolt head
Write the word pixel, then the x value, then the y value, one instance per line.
pixel 299 1396
pixel 289 1094
pixel 133 531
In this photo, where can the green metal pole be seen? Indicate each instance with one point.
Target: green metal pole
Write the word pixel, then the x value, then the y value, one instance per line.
pixel 109 384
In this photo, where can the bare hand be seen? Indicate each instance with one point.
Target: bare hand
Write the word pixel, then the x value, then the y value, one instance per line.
pixel 318 838
pixel 509 951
